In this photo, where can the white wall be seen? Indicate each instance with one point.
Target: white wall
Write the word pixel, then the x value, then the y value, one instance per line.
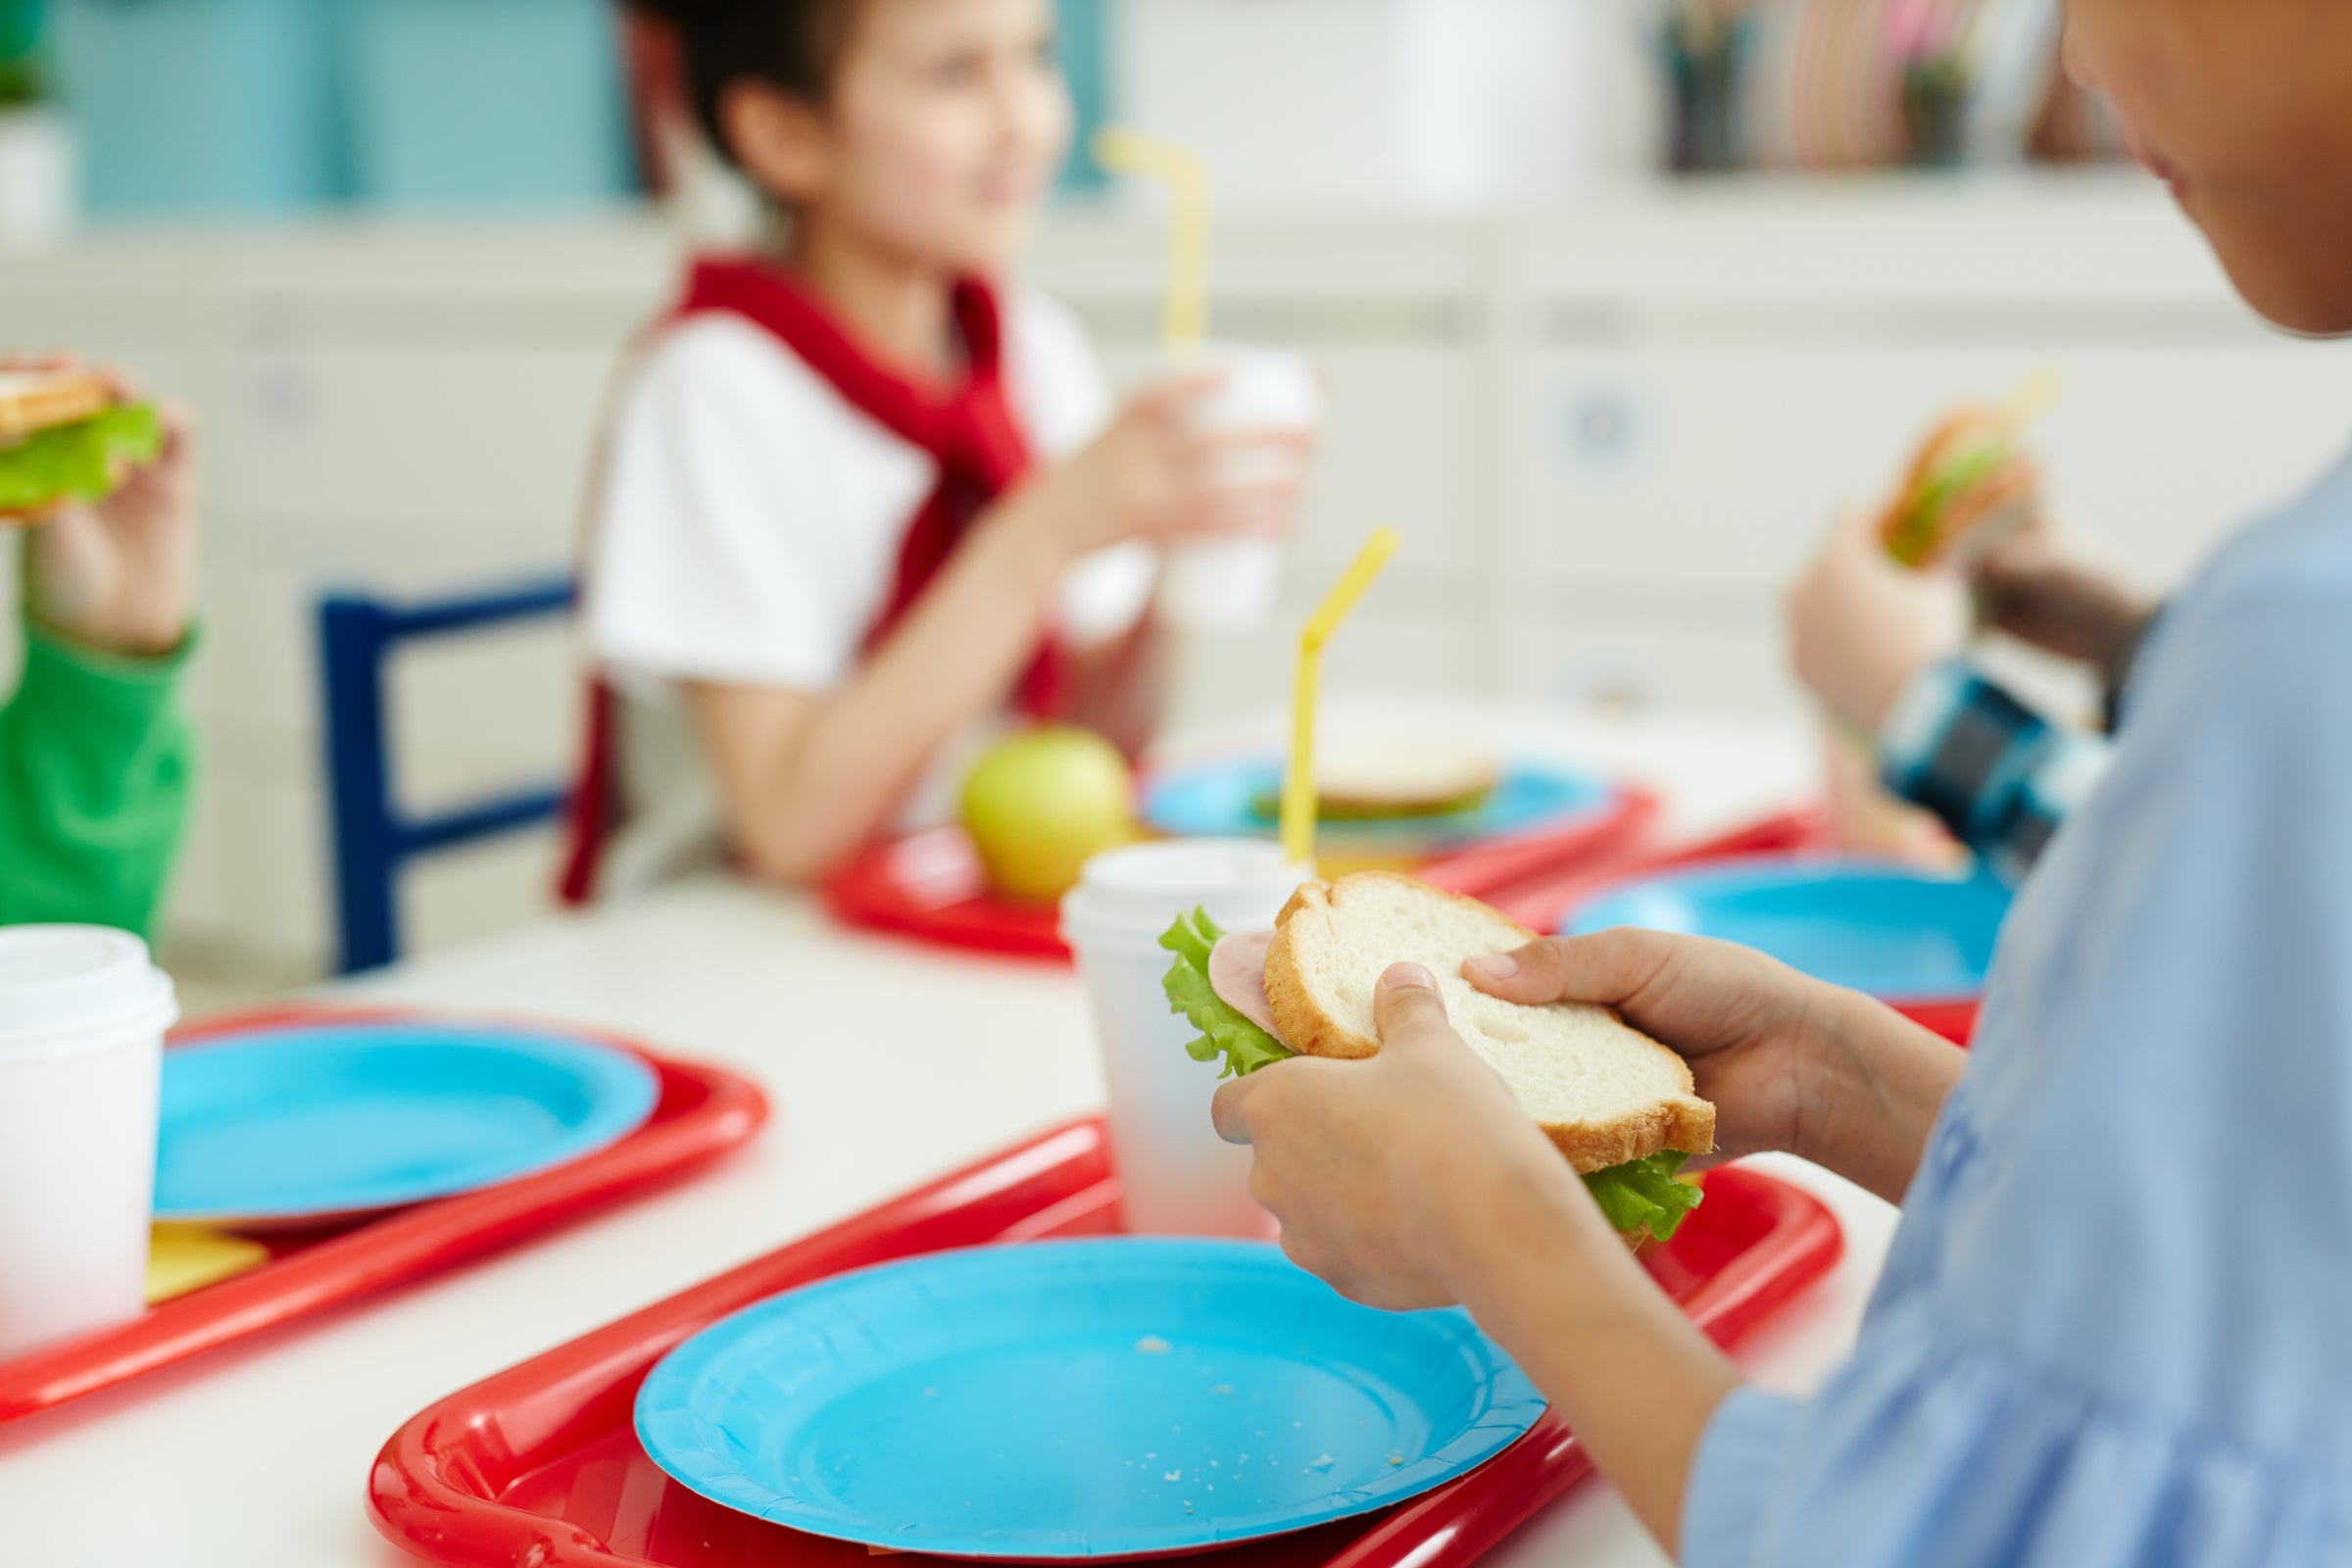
pixel 1438 104
pixel 1608 435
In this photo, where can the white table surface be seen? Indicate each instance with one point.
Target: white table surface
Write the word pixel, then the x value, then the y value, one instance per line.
pixel 889 1064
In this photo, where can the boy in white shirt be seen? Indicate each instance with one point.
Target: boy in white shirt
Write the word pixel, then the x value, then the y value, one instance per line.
pixel 861 499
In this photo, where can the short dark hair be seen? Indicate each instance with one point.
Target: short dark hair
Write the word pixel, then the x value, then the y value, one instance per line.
pixel 790 45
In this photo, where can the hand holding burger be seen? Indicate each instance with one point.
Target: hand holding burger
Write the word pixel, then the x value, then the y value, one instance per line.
pixel 1970 505
pixel 105 484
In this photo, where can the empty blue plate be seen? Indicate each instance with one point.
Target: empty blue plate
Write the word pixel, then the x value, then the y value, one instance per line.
pixel 333 1119
pixel 1227 798
pixel 1896 933
pixel 1110 1398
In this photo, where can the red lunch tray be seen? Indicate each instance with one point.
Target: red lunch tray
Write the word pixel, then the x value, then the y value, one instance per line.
pixel 1542 902
pixel 702 1112
pixel 930 885
pixel 540 1464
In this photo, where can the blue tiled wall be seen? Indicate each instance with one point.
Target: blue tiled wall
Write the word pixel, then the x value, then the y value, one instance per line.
pixel 246 108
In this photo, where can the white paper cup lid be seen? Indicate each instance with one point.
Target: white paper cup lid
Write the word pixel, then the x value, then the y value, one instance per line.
pixel 61 981
pixel 1138 891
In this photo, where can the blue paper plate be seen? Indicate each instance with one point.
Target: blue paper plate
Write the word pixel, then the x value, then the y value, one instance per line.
pixel 1896 933
pixel 1226 798
pixel 326 1120
pixel 1110 1398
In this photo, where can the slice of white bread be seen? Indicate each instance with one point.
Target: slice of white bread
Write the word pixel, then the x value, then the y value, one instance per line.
pixel 35 400
pixel 1605 1093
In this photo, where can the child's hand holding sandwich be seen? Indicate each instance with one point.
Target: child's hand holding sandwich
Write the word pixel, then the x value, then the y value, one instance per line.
pixel 113 568
pixel 1874 608
pixel 97 760
pixel 1416 1178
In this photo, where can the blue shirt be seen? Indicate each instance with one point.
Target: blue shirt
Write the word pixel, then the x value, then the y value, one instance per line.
pixel 2116 1325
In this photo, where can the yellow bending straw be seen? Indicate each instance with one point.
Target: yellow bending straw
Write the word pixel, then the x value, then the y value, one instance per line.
pixel 1298 789
pixel 1185 325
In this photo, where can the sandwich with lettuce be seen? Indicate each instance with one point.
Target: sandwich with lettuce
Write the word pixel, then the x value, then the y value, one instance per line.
pixel 67 436
pixel 1968 486
pixel 1618 1106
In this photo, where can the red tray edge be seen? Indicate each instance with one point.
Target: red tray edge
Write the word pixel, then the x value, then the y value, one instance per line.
pixel 405 1246
pixel 420 1476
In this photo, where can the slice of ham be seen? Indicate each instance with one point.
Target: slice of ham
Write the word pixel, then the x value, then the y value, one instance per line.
pixel 1237 973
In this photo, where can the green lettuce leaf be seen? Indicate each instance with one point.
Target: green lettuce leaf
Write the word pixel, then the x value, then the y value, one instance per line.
pixel 1644 1193
pixel 1640 1195
pixel 1224 1032
pixel 77 461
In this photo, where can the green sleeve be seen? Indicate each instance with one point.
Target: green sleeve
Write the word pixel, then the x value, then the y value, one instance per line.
pixel 97 762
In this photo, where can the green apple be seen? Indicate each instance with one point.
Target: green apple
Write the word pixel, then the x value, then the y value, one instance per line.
pixel 1039 803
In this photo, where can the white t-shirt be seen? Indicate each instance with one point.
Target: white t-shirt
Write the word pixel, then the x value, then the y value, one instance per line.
pixel 747 531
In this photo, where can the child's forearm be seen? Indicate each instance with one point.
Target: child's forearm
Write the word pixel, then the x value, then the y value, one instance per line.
pixel 1876 1085
pixel 831 786
pixel 1631 1376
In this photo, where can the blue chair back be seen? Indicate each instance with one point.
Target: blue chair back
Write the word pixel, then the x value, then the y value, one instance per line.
pixel 374 838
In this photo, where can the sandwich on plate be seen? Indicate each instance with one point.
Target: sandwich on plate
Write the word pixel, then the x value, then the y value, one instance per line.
pixel 1968 487
pixel 65 436
pixel 1617 1105
pixel 1384 782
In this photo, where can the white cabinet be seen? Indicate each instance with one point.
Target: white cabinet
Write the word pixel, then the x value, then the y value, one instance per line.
pixel 1700 384
pixel 341 451
pixel 1692 466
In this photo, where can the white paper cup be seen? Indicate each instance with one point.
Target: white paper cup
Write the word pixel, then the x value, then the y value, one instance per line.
pixel 1179 1178
pixel 82 1015
pixel 1229 584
